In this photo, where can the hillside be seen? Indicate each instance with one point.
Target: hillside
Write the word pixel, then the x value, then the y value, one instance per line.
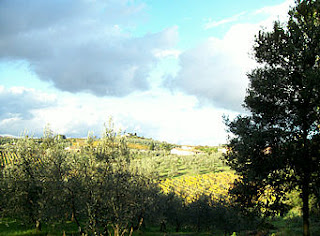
pixel 173 193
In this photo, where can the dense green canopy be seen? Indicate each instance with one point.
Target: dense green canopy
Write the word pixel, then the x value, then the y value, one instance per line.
pixel 277 146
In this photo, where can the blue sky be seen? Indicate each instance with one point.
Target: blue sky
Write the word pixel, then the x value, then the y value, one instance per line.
pixel 190 16
pixel 168 70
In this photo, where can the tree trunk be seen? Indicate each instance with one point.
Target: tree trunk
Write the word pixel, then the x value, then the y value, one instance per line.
pixel 163 227
pixel 116 230
pixel 131 231
pixel 178 225
pixel 305 206
pixel 137 227
pixel 74 215
pixel 38 225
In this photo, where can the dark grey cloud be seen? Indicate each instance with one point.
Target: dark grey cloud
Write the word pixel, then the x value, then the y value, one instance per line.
pixel 81 45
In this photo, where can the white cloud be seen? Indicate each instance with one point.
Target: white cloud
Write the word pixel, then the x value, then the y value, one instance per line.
pixel 175 53
pixel 212 23
pixel 215 71
pixel 158 114
pixel 276 11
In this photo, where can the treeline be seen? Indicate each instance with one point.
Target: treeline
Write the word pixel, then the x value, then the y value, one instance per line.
pixel 99 191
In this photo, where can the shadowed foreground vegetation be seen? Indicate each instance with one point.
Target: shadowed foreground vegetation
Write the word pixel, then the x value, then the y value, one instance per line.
pixel 103 187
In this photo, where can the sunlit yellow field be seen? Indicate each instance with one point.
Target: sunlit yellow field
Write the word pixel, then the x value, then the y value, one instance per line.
pixel 190 188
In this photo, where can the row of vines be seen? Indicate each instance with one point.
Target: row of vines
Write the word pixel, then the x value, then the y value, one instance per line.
pixel 214 185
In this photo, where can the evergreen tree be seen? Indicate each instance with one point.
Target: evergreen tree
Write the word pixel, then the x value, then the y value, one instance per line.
pixel 276 147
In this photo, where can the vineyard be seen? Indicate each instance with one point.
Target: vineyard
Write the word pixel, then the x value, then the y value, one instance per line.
pixel 190 188
pixel 7 158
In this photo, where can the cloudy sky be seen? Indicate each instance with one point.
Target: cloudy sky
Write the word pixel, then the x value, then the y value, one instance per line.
pixel 167 70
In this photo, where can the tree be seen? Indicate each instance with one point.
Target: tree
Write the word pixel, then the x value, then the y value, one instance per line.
pixel 33 180
pixel 96 187
pixel 276 147
pixel 116 198
pixel 21 179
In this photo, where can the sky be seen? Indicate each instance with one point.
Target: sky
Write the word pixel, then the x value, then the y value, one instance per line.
pixel 164 69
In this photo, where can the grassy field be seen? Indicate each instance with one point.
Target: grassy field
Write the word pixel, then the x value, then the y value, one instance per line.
pixel 10 227
pixel 14 227
pixel 282 227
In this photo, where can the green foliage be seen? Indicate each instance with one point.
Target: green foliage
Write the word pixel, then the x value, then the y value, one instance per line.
pixel 202 215
pixel 152 146
pixel 278 144
pixel 95 187
pixel 104 187
pixel 6 140
pixel 164 165
pixel 10 227
pixel 207 149
pixel 166 146
pixel 148 144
